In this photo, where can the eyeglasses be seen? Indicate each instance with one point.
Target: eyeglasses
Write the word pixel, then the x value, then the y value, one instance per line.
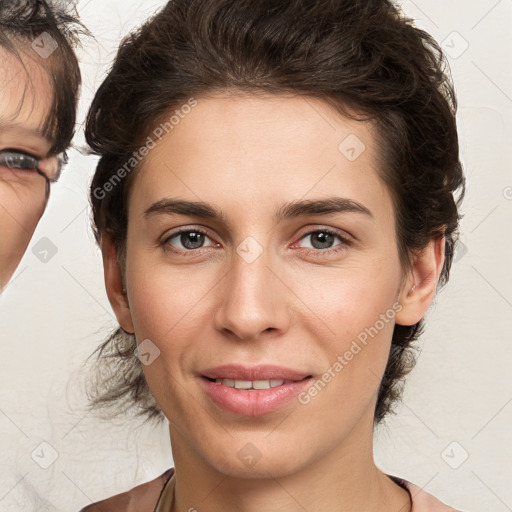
pixel 49 168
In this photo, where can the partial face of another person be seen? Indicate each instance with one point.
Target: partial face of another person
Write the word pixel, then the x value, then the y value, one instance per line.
pixel 264 287
pixel 25 101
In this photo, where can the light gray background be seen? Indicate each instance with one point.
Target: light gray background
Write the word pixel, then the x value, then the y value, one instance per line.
pixel 54 314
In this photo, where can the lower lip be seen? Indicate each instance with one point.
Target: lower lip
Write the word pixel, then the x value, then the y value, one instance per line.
pixel 253 402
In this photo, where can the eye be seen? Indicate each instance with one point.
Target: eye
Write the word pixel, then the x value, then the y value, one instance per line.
pixel 18 160
pixel 323 240
pixel 187 239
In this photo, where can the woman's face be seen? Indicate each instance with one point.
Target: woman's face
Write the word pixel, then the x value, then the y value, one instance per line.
pixel 25 100
pixel 295 278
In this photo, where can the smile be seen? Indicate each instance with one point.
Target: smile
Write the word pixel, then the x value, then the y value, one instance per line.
pixel 253 391
pixel 253 384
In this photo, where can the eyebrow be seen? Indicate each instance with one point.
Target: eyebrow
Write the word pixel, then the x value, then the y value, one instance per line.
pixel 289 210
pixel 21 129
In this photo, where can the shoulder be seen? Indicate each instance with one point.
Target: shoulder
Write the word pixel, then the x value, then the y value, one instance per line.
pixel 142 498
pixel 422 501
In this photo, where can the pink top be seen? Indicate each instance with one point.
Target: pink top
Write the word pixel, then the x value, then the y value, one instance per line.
pixel 158 496
pixel 422 501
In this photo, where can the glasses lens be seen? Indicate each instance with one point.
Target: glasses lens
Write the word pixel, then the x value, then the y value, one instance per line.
pixel 50 167
pixel 18 161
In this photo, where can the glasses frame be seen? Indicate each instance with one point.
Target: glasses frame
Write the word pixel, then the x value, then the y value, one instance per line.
pixel 62 160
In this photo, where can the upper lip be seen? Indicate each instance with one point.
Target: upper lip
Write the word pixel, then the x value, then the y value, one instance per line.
pixel 252 373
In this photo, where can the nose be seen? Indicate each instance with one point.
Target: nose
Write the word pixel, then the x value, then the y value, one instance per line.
pixel 253 300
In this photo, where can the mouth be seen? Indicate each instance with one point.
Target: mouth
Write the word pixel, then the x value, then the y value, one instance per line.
pixel 239 372
pixel 253 391
pixel 253 384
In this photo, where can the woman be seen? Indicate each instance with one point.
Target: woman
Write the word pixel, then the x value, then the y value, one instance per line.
pixel 39 85
pixel 275 205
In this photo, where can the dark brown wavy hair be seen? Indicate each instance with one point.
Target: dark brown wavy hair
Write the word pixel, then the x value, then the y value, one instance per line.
pixel 359 56
pixel 21 22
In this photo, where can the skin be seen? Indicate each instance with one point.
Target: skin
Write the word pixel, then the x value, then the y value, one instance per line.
pixel 248 156
pixel 25 101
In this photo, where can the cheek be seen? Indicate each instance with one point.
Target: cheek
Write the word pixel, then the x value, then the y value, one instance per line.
pixel 352 298
pixel 21 211
pixel 360 309
pixel 164 301
pixel 169 307
pixel 23 203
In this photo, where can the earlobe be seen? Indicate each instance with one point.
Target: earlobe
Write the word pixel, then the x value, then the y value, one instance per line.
pixel 114 284
pixel 419 288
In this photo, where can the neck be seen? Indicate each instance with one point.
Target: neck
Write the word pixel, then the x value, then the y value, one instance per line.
pixel 344 480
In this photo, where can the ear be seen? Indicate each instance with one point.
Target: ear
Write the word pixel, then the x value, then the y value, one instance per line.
pixel 114 284
pixel 419 288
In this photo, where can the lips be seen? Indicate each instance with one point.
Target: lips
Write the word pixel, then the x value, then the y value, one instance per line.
pixel 253 391
pixel 254 373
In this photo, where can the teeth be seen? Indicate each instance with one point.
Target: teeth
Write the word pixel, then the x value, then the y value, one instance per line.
pixel 243 384
pixel 251 384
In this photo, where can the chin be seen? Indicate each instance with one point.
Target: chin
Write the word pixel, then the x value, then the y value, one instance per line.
pixel 253 460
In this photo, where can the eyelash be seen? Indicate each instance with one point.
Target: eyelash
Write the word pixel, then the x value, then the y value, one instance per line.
pixel 345 242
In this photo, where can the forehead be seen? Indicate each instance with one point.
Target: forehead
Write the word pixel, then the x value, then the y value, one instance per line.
pixel 251 150
pixel 26 94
